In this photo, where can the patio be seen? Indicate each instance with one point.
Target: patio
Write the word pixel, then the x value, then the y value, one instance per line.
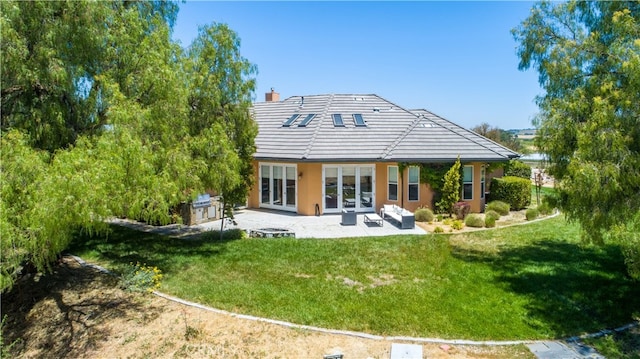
pixel 325 226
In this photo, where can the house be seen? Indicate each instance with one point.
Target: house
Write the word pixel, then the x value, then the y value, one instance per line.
pixel 323 153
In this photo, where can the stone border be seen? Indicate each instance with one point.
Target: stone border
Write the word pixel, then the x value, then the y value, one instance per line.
pixel 362 334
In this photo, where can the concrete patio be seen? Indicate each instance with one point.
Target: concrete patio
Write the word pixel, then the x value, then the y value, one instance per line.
pixel 325 226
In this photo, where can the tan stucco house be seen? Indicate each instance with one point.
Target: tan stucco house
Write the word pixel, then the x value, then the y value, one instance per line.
pixel 323 153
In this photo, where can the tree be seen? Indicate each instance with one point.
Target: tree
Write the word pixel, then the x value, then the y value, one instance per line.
pixel 98 121
pixel 220 90
pixel 498 135
pixel 450 189
pixel 587 55
pixel 55 55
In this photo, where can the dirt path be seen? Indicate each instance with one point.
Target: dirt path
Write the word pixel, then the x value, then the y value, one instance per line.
pixel 78 312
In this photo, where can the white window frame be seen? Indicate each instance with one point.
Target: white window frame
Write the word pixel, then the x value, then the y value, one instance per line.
pixel 466 183
pixel 409 184
pixel 389 183
pixel 482 182
pixel 283 206
pixel 358 198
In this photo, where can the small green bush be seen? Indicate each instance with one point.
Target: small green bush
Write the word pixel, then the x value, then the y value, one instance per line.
pixel 518 168
pixel 545 208
pixel 438 229
pixel 489 221
pixel 500 207
pixel 447 221
pixel 532 213
pixel 140 278
pixel 474 220
pixel 227 235
pixel 493 214
pixel 424 215
pixel 514 190
pixel 439 217
pixel 457 224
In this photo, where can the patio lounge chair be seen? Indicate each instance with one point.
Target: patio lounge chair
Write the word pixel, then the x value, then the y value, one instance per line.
pixel 349 217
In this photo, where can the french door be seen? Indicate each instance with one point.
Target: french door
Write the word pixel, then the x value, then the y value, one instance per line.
pixel 278 186
pixel 348 187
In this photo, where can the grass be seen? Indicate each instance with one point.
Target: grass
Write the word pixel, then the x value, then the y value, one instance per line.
pixel 544 192
pixel 525 282
pixel 619 345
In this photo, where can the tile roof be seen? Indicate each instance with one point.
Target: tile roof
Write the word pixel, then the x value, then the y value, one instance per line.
pixel 391 133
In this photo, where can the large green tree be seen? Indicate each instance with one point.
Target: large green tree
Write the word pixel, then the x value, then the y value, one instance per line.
pixel 587 55
pixel 99 120
pixel 219 101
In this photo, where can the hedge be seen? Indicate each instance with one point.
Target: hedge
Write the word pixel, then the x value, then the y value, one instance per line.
pixel 515 191
pixel 518 168
pixel 502 208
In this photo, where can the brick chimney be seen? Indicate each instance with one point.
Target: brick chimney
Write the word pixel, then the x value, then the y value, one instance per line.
pixel 272 96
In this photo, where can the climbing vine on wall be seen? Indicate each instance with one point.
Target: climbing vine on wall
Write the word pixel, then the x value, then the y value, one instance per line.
pixel 430 173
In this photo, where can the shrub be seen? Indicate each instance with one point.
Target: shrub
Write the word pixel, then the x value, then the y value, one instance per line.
pixel 492 214
pixel 513 190
pixel 545 208
pixel 518 168
pixel 450 189
pixel 532 213
pixel 461 209
pixel 500 207
pixel 227 235
pixel 439 218
pixel 447 221
pixel 438 229
pixel 424 215
pixel 489 221
pixel 474 220
pixel 140 278
pixel 457 224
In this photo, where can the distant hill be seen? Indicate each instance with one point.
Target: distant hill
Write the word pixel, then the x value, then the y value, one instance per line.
pixel 525 133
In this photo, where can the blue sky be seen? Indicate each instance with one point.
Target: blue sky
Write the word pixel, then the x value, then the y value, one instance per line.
pixel 456 59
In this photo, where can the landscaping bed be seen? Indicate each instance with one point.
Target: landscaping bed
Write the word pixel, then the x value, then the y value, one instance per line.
pixel 514 217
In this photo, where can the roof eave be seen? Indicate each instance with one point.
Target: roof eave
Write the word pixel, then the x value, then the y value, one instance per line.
pixel 383 160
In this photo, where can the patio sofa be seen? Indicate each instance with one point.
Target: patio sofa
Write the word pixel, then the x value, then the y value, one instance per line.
pixel 405 218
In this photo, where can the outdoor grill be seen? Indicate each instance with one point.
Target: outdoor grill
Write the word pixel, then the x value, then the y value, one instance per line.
pixel 204 200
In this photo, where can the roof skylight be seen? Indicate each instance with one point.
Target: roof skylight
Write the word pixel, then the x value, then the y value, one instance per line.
pixel 291 120
pixel 337 120
pixel 306 120
pixel 359 121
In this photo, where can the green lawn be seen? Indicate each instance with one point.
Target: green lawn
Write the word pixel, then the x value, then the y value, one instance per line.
pixel 525 282
pixel 544 192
